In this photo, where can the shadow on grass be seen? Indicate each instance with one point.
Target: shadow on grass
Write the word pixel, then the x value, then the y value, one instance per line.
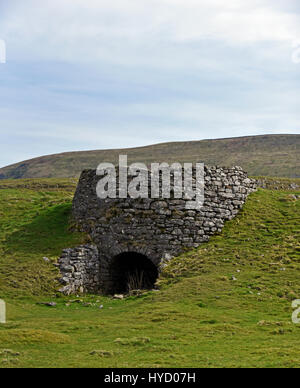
pixel 47 234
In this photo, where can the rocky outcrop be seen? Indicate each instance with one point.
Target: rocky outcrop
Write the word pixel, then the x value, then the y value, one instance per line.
pixel 278 184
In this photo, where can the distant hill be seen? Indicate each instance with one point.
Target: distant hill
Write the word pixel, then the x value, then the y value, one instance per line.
pixel 268 155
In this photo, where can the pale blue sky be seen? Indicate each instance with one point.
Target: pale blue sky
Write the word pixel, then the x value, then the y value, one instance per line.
pixel 93 74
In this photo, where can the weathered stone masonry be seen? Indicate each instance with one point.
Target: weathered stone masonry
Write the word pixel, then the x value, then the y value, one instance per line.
pixel 151 229
pixel 81 269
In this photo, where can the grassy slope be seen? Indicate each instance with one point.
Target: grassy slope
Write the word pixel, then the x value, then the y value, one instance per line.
pixel 199 318
pixel 272 155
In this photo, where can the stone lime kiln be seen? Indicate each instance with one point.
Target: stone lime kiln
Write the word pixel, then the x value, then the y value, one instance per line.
pixel 131 238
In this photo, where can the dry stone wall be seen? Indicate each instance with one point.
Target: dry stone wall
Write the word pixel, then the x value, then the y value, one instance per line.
pixel 80 268
pixel 159 229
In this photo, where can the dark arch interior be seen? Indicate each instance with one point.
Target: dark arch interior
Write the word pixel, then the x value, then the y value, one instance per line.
pixel 132 271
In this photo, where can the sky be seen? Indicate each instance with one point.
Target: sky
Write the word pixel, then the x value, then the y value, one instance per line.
pixel 98 74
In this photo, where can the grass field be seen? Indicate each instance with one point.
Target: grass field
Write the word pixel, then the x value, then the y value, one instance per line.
pixel 226 304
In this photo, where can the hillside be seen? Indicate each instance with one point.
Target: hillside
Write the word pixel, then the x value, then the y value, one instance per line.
pixel 225 304
pixel 270 155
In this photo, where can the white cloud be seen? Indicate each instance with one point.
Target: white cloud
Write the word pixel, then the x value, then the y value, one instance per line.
pixel 124 30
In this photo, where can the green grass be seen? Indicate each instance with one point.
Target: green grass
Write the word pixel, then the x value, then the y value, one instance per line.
pixel 201 317
pixel 34 224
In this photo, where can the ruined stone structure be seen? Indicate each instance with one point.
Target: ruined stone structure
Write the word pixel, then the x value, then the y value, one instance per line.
pixel 139 235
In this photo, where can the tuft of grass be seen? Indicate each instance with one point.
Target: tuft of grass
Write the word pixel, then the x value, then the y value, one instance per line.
pixel 101 353
pixel 28 337
pixel 135 341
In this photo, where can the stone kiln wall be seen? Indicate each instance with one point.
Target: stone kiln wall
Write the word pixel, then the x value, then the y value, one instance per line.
pixel 156 228
pixel 80 268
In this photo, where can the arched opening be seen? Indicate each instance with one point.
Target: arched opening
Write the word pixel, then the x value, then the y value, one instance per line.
pixel 132 271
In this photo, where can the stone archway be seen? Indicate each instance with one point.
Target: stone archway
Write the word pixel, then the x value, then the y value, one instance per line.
pixel 131 271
